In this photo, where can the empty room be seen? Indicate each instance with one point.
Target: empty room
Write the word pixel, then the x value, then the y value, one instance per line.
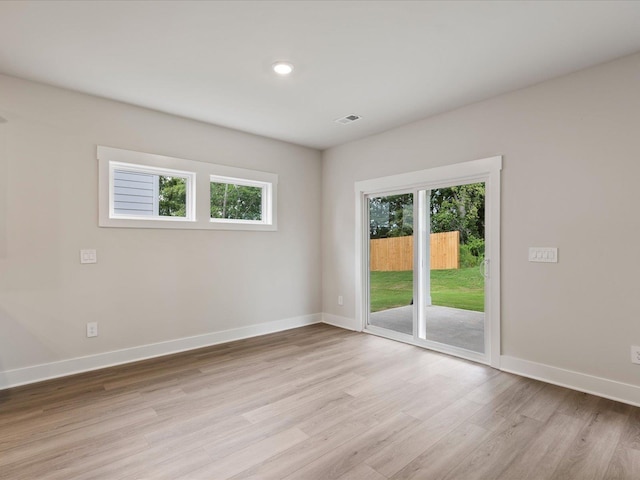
pixel 313 240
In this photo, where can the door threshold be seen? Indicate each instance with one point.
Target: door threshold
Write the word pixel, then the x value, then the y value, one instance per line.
pixel 462 353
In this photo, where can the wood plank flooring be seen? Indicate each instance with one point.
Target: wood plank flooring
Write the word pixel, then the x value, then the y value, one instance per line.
pixel 312 403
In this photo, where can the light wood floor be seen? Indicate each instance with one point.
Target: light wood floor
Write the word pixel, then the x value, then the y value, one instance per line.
pixel 312 403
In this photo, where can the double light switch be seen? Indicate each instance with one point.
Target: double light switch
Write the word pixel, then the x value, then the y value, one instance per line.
pixel 88 256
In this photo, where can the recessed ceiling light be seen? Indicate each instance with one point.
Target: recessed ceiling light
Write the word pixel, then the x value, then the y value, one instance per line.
pixel 282 68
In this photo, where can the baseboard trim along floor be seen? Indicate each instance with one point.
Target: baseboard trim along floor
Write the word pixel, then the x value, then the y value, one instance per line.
pixel 603 387
pixel 63 368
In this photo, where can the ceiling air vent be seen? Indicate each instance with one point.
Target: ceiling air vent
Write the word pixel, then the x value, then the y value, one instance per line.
pixel 348 119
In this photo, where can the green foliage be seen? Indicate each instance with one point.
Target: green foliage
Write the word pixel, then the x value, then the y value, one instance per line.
pixel 391 216
pixel 472 253
pixel 457 288
pixel 173 197
pixel 237 202
pixel 459 208
pixel 476 246
pixel 467 259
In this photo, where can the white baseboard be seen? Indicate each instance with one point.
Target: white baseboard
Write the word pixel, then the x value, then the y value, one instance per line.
pixel 621 392
pixel 38 373
pixel 342 322
pixel 582 382
pixel 602 387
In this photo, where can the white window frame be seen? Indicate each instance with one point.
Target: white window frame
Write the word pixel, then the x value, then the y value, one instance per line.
pixel 199 200
pixel 190 178
pixel 266 209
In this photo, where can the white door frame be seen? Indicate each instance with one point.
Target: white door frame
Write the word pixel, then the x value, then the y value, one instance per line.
pixel 485 170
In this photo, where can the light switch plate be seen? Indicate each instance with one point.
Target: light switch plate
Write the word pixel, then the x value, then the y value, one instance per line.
pixel 88 256
pixel 635 355
pixel 543 254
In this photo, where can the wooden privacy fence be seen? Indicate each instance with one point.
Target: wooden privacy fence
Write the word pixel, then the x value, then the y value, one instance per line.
pixel 396 253
pixel 445 250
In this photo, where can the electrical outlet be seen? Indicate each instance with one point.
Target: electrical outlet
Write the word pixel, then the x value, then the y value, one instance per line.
pixel 635 355
pixel 92 329
pixel 340 300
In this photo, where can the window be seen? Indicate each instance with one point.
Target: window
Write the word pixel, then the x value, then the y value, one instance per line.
pixel 143 190
pixel 235 200
pixel 140 192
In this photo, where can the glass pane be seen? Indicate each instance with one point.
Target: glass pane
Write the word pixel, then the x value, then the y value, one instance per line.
pixel 236 202
pixel 391 262
pixel 172 196
pixel 147 194
pixel 454 304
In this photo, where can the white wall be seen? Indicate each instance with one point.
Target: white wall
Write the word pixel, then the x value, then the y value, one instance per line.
pixel 571 179
pixel 149 285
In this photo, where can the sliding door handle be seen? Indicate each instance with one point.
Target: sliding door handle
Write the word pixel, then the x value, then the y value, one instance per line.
pixel 484 268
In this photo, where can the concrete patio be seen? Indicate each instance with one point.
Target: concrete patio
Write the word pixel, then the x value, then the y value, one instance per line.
pixel 451 326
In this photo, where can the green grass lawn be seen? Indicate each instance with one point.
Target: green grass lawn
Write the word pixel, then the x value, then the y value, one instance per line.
pixel 462 288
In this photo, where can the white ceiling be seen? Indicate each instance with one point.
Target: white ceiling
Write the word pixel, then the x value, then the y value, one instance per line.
pixel 390 61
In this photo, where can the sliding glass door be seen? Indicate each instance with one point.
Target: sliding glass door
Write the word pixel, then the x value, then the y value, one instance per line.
pixel 391 262
pixel 451 276
pixel 426 263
